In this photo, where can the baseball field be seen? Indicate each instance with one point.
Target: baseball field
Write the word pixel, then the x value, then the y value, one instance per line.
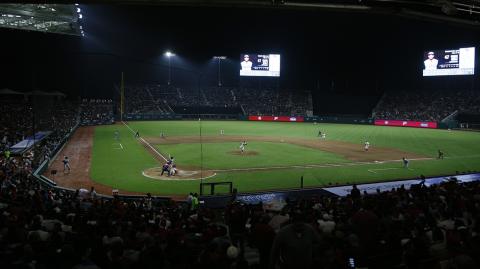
pixel 276 155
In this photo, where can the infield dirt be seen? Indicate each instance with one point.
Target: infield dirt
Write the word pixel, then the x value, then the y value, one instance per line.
pixel 350 151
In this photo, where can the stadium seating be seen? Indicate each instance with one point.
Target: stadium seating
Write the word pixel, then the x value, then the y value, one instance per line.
pixel 96 112
pixel 426 105
pixel 167 99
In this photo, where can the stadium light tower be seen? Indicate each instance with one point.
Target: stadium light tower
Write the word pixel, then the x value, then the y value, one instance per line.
pixel 169 55
pixel 219 58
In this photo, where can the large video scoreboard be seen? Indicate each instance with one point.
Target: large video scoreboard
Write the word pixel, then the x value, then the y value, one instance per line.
pixel 260 65
pixel 449 62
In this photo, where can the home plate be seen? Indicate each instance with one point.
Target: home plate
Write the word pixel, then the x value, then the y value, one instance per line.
pixel 156 173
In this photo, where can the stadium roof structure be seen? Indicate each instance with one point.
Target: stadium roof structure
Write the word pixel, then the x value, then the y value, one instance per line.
pixel 6 91
pixel 48 18
pixel 451 11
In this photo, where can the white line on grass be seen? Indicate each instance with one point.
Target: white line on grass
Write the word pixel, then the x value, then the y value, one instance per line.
pixel 309 166
pixel 146 143
pixel 176 179
pixel 119 144
pixel 381 169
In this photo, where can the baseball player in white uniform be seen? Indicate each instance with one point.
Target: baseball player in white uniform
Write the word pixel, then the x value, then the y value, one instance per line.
pixel 367 145
pixel 242 146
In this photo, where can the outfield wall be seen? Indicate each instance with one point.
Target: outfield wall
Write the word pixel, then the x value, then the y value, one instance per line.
pixel 160 116
pixel 297 118
pixel 282 118
pixel 407 123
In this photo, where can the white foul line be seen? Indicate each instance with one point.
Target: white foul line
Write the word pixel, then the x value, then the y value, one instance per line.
pixel 146 143
pixel 381 169
pixel 176 179
pixel 121 145
pixel 309 166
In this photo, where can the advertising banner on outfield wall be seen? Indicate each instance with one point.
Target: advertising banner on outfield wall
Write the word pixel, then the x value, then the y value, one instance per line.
pixel 275 118
pixel 339 119
pixel 407 123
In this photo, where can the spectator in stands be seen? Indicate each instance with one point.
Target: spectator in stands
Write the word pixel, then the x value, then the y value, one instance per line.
pixel 326 225
pixel 294 244
pixel 195 202
pixel 355 192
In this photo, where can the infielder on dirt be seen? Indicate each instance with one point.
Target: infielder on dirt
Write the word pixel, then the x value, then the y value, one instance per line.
pixel 367 145
pixel 66 164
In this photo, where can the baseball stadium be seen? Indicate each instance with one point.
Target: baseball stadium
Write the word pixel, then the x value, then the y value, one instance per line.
pixel 276 156
pixel 240 134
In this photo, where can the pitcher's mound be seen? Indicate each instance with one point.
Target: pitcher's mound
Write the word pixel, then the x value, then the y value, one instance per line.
pixel 156 173
pixel 245 153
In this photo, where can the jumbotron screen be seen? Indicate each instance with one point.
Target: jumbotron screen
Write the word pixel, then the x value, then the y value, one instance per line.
pixel 449 62
pixel 260 65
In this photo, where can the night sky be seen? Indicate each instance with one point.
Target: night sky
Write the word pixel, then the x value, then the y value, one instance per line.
pixel 362 52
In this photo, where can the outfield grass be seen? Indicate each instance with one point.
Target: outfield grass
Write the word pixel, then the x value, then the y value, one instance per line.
pixel 121 168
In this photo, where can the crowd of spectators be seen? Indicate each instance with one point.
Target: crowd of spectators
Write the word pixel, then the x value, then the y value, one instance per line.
pixel 146 98
pixel 15 121
pixel 273 102
pixel 43 227
pixel 96 112
pixel 426 105
pixel 21 118
pixel 424 227
pixel 161 99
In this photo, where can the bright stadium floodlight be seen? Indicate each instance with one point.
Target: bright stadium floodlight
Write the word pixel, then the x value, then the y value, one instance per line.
pixel 169 55
pixel 80 16
pixel 78 10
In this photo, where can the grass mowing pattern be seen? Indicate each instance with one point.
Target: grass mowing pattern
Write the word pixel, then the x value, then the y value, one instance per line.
pixel 122 168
